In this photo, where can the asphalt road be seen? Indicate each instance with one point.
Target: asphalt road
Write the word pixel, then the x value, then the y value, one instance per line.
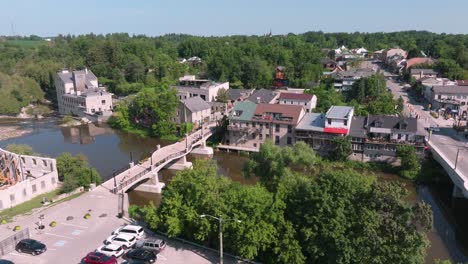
pixel 447 139
pixel 72 239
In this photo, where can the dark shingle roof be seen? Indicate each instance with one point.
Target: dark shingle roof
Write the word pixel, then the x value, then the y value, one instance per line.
pixel 235 94
pixel 264 95
pixel 358 127
pixel 393 122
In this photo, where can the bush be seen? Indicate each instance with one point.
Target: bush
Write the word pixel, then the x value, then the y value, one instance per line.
pixel 87 216
pixel 75 171
pixel 4 222
pixel 17 228
pixel 434 115
pixel 53 224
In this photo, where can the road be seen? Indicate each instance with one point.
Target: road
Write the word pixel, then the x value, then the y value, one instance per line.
pixel 72 239
pixel 446 139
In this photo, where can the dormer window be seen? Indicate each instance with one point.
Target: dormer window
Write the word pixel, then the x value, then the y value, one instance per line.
pixel 237 113
pixel 403 126
pixel 378 123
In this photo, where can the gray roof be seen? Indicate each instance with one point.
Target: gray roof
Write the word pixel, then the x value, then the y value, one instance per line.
pixel 235 94
pixel 393 122
pixel 424 71
pixel 196 104
pixel 339 112
pixel 358 127
pixel 67 77
pixel 450 89
pixel 312 121
pixel 265 96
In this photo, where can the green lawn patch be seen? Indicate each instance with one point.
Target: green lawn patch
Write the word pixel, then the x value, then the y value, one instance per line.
pixel 26 207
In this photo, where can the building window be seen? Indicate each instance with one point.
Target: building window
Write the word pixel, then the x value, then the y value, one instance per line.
pixel 255 145
pixel 52 180
pixel 260 136
pixel 329 121
pixel 289 141
pixel 276 140
pixel 254 135
pixel 24 192
pixel 289 129
pixel 23 159
pixel 103 102
pixel 44 162
pixel 267 125
pixel 267 136
pixel 34 189
pixel 43 185
pixel 12 198
pixel 254 124
pixel 34 161
pixel 346 122
pixel 277 128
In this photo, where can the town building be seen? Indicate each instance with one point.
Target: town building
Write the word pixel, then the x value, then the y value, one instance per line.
pixel 238 95
pixel 24 177
pixel 377 137
pixel 189 86
pixel 79 94
pixel 193 110
pixel 309 101
pixel 410 63
pixel 423 73
pixel 264 96
pixel 389 53
pixel 251 124
pixel 429 82
pixel 344 80
pixel 280 80
pixel 450 100
pixel 318 129
pixel 462 82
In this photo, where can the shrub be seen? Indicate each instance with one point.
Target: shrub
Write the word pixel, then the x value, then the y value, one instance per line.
pixel 87 216
pixel 434 115
pixel 4 222
pixel 53 224
pixel 17 228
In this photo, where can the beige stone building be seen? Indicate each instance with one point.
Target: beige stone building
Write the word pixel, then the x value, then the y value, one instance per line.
pixel 79 94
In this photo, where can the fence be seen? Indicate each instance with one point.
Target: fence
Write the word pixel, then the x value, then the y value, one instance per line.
pixel 8 244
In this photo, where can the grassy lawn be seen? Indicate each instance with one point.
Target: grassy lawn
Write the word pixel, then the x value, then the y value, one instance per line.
pixel 26 207
pixel 27 43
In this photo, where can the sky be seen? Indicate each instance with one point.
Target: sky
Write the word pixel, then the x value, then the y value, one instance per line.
pixel 229 17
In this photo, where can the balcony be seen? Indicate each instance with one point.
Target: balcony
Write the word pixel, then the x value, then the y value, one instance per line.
pixel 244 129
pixel 393 142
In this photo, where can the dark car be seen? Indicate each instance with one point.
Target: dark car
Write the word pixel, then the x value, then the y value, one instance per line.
pixel 31 246
pixel 4 261
pixel 99 258
pixel 146 256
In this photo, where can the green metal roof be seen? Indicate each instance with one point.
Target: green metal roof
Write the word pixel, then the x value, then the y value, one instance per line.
pixel 243 111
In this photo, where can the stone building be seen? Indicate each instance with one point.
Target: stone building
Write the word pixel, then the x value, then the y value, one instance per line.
pixel 79 94
pixel 24 177
pixel 193 110
pixel 189 86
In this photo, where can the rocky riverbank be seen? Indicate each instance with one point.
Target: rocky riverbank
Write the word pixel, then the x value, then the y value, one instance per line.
pixel 12 131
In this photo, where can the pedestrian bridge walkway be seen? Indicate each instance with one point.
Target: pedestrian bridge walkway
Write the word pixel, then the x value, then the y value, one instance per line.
pixel 158 160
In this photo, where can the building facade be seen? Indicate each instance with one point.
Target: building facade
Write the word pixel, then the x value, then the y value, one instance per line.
pixel 189 86
pixel 451 100
pixel 377 137
pixel 79 94
pixel 308 101
pixel 24 177
pixel 250 125
pixel 193 110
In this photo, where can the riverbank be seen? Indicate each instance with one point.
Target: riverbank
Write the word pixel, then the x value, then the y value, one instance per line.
pixel 11 131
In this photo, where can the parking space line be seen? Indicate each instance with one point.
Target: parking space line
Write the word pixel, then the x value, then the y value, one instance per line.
pixel 50 234
pixel 51 249
pixel 161 257
pixel 80 226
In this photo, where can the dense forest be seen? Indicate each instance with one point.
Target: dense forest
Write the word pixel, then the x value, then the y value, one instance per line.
pixel 128 64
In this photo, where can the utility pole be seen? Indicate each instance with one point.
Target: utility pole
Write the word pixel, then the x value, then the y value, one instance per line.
pixel 456 159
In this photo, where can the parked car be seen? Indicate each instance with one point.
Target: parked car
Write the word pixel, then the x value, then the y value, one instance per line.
pixel 140 254
pixel 99 258
pixel 153 244
pixel 111 250
pixel 31 246
pixel 126 241
pixel 134 230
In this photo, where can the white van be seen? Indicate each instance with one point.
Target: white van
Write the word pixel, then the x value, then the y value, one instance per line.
pixel 133 230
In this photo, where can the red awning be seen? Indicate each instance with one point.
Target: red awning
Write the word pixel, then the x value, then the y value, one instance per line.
pixel 333 130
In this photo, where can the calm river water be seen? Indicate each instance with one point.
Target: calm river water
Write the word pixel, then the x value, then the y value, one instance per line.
pixel 109 151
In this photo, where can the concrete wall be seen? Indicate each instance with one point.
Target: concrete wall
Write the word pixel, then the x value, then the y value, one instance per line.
pixel 309 105
pixel 38 176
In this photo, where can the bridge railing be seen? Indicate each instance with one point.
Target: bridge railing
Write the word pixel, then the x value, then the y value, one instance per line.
pixel 172 156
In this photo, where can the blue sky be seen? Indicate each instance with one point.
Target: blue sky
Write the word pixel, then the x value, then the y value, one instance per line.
pixel 227 17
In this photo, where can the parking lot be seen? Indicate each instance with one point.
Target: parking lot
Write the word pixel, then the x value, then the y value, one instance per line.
pixel 72 239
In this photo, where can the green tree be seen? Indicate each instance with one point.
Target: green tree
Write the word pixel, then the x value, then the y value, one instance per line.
pixel 341 148
pixel 75 171
pixel 410 165
pixel 223 96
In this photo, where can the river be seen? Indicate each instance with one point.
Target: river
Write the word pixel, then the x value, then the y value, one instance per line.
pixel 109 151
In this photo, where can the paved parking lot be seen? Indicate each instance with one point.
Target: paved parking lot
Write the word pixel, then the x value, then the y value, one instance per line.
pixel 72 239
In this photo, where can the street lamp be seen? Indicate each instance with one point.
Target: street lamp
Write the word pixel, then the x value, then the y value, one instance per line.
pixel 220 220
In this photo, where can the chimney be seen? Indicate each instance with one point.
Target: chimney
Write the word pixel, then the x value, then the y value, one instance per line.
pixel 258 100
